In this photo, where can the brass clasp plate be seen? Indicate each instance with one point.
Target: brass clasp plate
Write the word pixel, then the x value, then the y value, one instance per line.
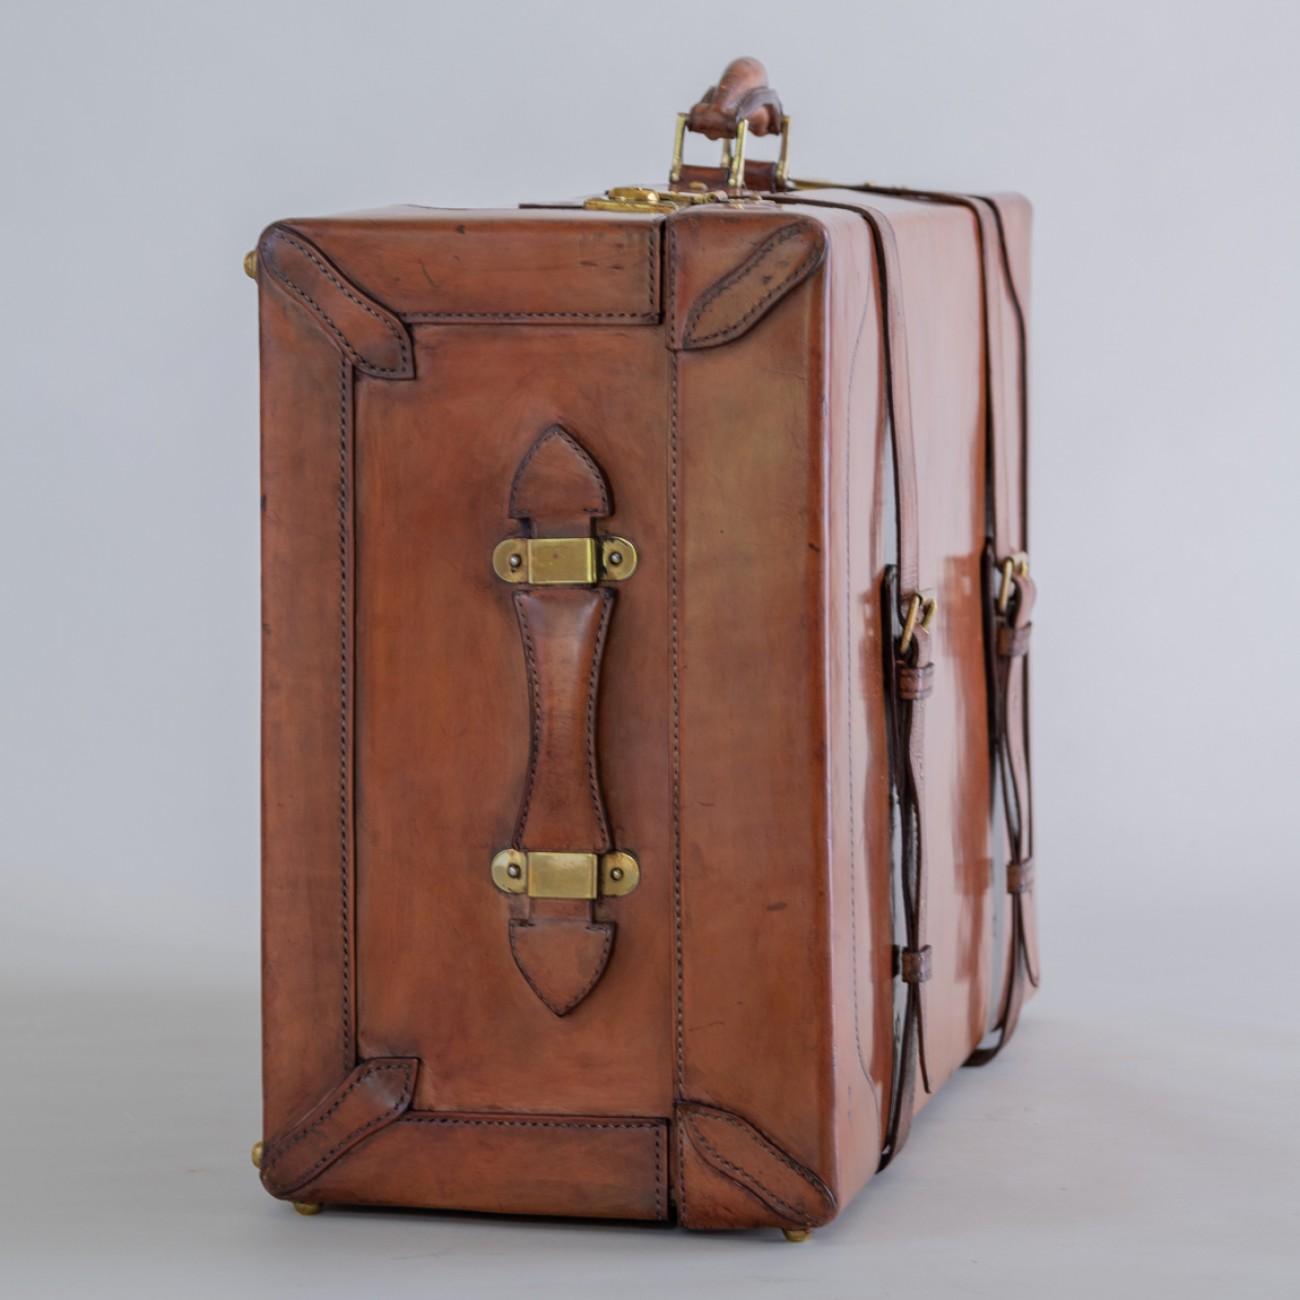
pixel 565 875
pixel 564 561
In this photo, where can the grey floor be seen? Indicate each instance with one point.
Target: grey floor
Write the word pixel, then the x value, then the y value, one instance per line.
pixel 1120 1149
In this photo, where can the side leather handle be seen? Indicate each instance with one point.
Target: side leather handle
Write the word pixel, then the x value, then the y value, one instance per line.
pixel 562 849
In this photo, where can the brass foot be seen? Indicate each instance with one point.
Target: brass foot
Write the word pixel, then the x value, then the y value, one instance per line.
pixel 797 1234
pixel 306 1207
pixel 257 1155
pixel 250 264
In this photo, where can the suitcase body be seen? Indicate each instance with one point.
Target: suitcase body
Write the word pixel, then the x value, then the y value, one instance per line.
pixel 581 757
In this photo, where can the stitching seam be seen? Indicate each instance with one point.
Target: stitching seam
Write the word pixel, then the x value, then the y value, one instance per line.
pixel 452 1121
pixel 345 737
pixel 387 322
pixel 675 656
pixel 283 1148
pixel 734 278
pixel 434 317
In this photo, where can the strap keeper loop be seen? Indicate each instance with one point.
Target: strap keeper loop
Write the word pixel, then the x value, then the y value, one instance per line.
pixel 914 683
pixel 1020 876
pixel 1013 641
pixel 914 964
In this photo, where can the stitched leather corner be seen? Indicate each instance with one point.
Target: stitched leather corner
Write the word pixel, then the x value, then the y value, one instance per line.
pixel 365 331
pixel 735 303
pixel 370 1098
pixel 738 1151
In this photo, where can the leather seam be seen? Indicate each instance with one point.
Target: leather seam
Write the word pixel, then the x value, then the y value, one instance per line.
pixel 487 317
pixel 345 682
pixel 652 267
pixel 327 319
pixel 661 1195
pixel 735 277
pixel 451 1121
pixel 273 1158
pixel 674 527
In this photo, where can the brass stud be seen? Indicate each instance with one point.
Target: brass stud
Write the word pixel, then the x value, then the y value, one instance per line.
pixel 250 264
pixel 306 1207
pixel 616 873
pixel 256 1154
pixel 516 561
pixel 514 871
pixel 797 1234
pixel 615 559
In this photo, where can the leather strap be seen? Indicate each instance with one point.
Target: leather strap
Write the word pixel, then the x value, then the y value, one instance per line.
pixel 909 674
pixel 1009 620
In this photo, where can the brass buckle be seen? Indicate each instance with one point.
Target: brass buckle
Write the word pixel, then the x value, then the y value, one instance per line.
pixel 920 608
pixel 1014 566
pixel 564 561
pixel 733 153
pixel 565 875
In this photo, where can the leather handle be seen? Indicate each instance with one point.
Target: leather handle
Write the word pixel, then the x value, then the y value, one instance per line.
pixel 742 94
pixel 558 942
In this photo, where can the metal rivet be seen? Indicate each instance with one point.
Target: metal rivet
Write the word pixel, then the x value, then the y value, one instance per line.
pixel 514 871
pixel 516 561
pixel 615 559
pixel 616 873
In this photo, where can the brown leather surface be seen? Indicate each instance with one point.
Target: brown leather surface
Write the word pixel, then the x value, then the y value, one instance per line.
pixel 734 1057
pixel 585 1166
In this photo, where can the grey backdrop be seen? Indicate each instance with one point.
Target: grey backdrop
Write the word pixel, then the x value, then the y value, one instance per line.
pixel 1143 1132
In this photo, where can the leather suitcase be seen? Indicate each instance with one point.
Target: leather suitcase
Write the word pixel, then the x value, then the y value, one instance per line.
pixel 647 824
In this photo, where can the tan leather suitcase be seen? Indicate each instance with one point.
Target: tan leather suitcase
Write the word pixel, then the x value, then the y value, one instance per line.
pixel 646 792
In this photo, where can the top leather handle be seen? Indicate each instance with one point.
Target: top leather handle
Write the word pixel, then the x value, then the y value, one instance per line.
pixel 742 94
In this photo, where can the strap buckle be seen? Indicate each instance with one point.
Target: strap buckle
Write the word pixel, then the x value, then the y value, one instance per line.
pixel 733 153
pixel 920 608
pixel 1013 567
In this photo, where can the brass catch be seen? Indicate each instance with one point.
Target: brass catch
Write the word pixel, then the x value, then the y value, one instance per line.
pixel 565 875
pixel 564 561
pixel 640 198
